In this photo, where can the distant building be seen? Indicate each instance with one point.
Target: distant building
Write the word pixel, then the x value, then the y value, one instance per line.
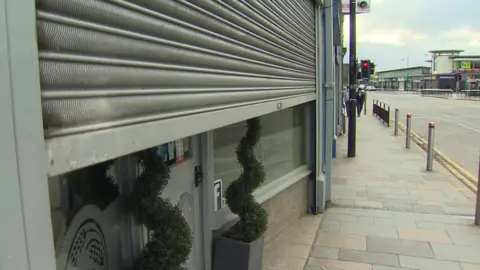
pixel 467 71
pixel 404 79
pixel 442 61
pixel 448 70
pixel 451 70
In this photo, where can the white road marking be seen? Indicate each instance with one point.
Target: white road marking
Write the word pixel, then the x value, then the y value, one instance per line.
pixel 462 116
pixel 458 124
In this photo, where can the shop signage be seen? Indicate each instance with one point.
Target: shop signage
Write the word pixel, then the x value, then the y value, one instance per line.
pixel 219 200
pixel 452 77
pixel 465 65
pixel 174 152
pixel 179 151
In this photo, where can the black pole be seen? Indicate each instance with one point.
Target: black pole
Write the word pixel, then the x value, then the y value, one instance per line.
pixel 352 125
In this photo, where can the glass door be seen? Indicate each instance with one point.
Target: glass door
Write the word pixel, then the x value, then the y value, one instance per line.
pixel 183 155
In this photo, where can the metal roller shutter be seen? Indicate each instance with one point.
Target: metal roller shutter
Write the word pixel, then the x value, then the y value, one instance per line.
pixel 113 63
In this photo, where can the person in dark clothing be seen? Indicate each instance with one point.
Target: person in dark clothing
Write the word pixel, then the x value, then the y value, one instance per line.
pixel 360 100
pixel 346 101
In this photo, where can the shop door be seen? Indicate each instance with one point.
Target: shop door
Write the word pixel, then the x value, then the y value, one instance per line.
pixel 182 191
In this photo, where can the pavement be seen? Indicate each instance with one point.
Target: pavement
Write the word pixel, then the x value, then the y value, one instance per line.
pixel 457 123
pixel 387 213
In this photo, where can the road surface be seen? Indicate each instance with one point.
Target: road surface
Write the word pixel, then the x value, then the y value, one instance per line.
pixel 457 123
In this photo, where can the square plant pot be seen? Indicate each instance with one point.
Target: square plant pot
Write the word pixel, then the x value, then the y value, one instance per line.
pixel 229 254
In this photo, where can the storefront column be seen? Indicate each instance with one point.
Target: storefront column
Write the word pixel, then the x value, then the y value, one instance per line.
pixel 329 98
pixel 206 146
pixel 21 89
pixel 319 187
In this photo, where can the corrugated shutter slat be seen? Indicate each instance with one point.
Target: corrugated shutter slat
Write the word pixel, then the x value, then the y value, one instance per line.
pixel 110 63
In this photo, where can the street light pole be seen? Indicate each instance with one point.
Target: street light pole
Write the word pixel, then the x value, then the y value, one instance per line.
pixel 430 61
pixel 407 60
pixel 352 119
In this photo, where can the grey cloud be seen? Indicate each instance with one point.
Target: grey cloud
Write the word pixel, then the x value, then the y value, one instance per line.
pixel 431 18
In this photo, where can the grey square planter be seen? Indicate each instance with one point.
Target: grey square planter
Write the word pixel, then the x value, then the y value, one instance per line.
pixel 229 254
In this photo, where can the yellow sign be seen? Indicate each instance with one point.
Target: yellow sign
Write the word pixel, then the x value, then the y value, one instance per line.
pixel 465 65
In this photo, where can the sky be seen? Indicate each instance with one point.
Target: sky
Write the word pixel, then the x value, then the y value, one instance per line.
pixel 395 30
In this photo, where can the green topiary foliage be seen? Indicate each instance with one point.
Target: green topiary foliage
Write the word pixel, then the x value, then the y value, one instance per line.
pixel 253 218
pixel 171 240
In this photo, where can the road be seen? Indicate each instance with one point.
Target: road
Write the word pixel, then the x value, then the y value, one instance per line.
pixel 457 123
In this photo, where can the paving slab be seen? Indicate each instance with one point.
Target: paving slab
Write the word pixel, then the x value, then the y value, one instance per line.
pixel 427 264
pixel 368 257
pixel 368 230
pixel 340 217
pixel 400 247
pixel 325 252
pixel 395 222
pixel 316 263
pixel 346 265
pixel 383 267
pixel 330 226
pixel 465 235
pixel 470 266
pixel 425 235
pixel 340 240
pixel 456 253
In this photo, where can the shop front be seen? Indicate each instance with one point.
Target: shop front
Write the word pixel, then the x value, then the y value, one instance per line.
pixel 124 119
pixel 447 81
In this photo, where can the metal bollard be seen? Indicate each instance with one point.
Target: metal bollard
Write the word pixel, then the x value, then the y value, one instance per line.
pixel 395 128
pixel 477 205
pixel 373 106
pixel 388 118
pixel 365 103
pixel 431 143
pixel 408 131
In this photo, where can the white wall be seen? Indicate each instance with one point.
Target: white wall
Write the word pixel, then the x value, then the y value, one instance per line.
pixel 442 64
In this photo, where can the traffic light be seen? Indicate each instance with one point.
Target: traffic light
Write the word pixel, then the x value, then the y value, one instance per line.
pixel 365 69
pixel 459 76
pixel 372 68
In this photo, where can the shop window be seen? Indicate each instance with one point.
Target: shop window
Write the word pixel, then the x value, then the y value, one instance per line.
pixel 91 223
pixel 281 148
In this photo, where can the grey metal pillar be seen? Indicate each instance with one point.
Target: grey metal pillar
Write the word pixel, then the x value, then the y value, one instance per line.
pixel 431 143
pixel 477 205
pixel 320 140
pixel 206 146
pixel 329 97
pixel 395 131
pixel 25 222
pixel 408 130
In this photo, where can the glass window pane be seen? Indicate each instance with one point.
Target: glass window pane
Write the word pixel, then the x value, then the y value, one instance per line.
pixel 281 148
pixel 90 225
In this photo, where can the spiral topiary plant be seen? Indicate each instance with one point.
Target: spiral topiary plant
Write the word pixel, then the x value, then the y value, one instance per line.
pixel 171 240
pixel 253 218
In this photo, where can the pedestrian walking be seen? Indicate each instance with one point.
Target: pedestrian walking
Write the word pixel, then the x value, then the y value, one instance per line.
pixel 346 100
pixel 360 100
